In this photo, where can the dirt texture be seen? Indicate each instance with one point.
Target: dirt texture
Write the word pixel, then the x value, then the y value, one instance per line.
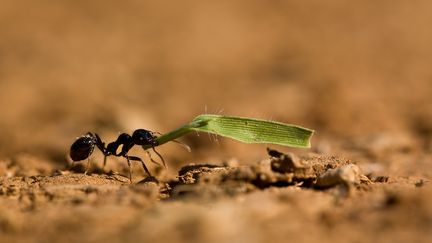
pixel 358 73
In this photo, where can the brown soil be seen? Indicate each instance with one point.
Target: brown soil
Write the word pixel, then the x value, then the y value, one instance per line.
pixel 357 73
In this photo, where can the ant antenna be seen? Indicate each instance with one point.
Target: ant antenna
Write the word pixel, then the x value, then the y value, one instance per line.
pixel 185 146
pixel 160 156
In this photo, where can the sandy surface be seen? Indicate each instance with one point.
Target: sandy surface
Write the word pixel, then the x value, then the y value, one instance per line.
pixel 357 73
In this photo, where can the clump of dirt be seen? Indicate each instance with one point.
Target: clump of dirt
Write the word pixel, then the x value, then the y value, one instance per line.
pixel 281 170
pixel 327 193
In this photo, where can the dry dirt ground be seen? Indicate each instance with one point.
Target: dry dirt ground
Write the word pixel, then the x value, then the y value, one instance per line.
pixel 357 73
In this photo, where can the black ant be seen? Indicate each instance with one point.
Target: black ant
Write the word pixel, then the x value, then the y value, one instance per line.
pixel 83 147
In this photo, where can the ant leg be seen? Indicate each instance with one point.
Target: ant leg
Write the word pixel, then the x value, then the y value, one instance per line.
pixel 130 168
pixel 104 162
pixel 70 166
pixel 88 166
pixel 160 156
pixel 151 159
pixel 142 162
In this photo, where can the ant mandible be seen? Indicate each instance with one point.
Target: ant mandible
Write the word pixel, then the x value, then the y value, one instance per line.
pixel 83 147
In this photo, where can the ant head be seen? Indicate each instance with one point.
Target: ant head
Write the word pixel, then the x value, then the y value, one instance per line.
pixel 83 147
pixel 143 137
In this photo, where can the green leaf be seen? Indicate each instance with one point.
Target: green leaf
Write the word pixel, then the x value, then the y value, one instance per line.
pixel 250 130
pixel 247 130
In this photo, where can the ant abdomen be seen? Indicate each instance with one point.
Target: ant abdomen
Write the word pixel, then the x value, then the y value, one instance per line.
pixel 83 147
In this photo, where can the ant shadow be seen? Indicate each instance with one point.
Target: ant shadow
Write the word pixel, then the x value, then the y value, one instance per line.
pixel 80 168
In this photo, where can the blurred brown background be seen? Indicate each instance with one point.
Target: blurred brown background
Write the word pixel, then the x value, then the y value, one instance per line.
pixel 342 68
pixel 358 72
